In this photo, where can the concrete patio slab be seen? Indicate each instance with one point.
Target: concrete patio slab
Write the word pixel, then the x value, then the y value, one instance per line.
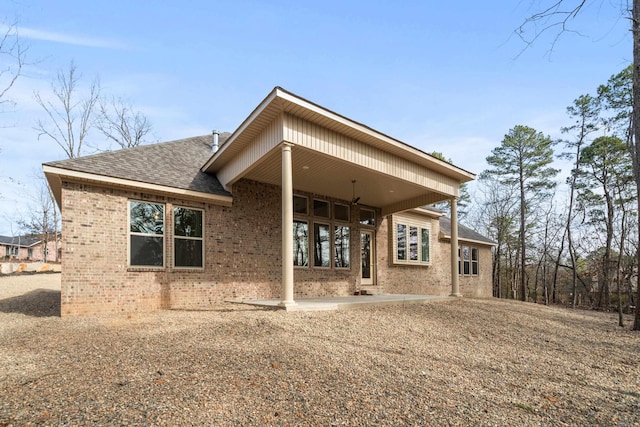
pixel 344 303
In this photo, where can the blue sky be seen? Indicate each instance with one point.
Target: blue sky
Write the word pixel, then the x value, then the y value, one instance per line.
pixel 442 76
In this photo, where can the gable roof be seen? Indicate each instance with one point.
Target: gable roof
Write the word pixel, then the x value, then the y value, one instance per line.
pixel 464 233
pixel 21 241
pixel 173 165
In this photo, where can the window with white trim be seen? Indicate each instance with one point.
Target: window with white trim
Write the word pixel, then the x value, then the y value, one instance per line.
pixel 411 240
pixel 468 261
pixel 188 241
pixel 146 234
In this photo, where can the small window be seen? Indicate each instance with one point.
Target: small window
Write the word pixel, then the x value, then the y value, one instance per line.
pixel 465 260
pixel 146 234
pixel 341 212
pixel 341 247
pixel 321 246
pixel 367 217
pixel 402 242
pixel 413 243
pixel 425 245
pixel 187 237
pixel 300 244
pixel 300 205
pixel 474 261
pixel 321 208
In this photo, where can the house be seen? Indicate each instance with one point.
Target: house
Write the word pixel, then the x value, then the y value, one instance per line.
pixel 298 201
pixel 26 248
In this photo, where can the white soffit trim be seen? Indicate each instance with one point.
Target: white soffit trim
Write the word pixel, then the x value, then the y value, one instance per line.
pixel 137 185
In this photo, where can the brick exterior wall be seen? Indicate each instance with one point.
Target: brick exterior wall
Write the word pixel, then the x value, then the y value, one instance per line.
pixel 242 246
pixel 242 254
pixel 434 279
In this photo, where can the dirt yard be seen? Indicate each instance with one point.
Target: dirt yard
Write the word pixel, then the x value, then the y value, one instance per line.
pixel 463 362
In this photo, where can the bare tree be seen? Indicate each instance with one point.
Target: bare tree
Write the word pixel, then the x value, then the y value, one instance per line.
pixel 556 17
pixel 43 219
pixel 12 48
pixel 120 123
pixel 70 116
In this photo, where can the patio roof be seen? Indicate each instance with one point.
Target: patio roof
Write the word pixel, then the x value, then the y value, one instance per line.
pixel 333 156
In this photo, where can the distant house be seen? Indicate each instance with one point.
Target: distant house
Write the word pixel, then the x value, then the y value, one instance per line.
pixel 297 202
pixel 25 248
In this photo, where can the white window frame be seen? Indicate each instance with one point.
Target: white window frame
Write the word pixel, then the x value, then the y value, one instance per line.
pixel 411 222
pixel 461 261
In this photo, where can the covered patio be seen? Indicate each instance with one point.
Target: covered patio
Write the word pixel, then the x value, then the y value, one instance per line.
pixel 290 142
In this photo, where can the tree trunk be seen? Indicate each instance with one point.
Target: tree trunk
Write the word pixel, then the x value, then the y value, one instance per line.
pixel 523 257
pixel 635 146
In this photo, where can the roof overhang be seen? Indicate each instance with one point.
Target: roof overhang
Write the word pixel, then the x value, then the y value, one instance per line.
pixel 444 236
pixel 56 175
pixel 329 153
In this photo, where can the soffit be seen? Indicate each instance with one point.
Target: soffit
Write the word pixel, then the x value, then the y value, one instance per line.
pixel 317 173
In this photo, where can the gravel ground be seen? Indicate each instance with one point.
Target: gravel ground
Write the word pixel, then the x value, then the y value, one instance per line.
pixel 463 362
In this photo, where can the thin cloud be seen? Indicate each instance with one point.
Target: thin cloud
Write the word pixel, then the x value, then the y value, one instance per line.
pixel 55 37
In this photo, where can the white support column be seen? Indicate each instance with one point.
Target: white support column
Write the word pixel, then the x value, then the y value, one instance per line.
pixel 286 293
pixel 455 287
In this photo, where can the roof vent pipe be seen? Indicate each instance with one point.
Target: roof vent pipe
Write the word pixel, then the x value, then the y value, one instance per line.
pixel 214 147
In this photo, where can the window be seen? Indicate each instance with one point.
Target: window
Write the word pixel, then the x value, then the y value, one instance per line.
pixel 367 217
pixel 468 261
pixel 187 238
pixel 474 261
pixel 402 242
pixel 321 208
pixel 413 243
pixel 424 234
pixel 146 234
pixel 321 244
pixel 300 243
pixel 300 205
pixel 465 260
pixel 341 246
pixel 341 212
pixel 411 240
pixel 329 245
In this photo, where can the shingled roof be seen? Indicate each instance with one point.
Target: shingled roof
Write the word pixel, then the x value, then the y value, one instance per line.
pixel 173 164
pixel 464 233
pixel 21 241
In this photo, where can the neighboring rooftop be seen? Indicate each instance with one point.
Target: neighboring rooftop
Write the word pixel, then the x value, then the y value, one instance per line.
pixel 21 241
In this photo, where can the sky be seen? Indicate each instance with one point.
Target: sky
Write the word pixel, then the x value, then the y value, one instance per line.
pixel 451 77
